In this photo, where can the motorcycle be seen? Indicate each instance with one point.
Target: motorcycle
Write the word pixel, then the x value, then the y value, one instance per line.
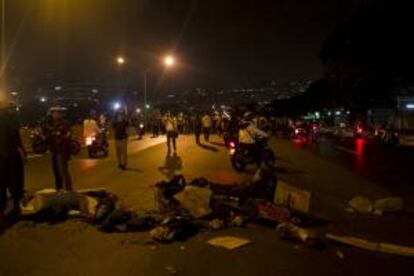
pixel 40 144
pixel 97 145
pixel 388 137
pixel 243 156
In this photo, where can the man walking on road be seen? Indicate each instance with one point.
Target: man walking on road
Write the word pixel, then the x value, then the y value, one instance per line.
pixel 171 129
pixel 206 123
pixel 120 126
pixel 197 125
pixel 60 147
pixel 12 154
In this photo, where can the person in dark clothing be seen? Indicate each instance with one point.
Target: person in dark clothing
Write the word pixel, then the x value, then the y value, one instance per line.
pixel 197 125
pixel 12 156
pixel 120 126
pixel 60 147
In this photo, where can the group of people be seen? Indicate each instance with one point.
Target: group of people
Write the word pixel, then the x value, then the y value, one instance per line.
pixel 58 134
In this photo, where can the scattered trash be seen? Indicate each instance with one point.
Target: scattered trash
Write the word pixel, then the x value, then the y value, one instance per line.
pixel 292 197
pixel 373 246
pixel 195 200
pixel 289 231
pixel 340 254
pixel 228 242
pixel 273 212
pixel 216 224
pixel 361 204
pixel 366 206
pixel 174 229
pixel 390 204
pixel 171 270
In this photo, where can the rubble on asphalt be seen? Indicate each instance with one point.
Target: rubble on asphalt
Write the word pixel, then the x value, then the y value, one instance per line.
pixel 184 209
pixel 378 207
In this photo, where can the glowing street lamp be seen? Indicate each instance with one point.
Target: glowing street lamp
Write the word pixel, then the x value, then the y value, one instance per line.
pixel 169 61
pixel 120 60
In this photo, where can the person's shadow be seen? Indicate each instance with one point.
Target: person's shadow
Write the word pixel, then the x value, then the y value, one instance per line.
pixel 173 164
pixel 206 147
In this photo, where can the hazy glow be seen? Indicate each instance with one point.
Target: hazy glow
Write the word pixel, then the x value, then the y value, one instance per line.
pixel 169 61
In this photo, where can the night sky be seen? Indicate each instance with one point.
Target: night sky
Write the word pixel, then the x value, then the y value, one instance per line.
pixel 219 43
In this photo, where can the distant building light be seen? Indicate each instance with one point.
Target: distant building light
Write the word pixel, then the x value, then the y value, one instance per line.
pixel 409 106
pixel 116 106
pixel 147 106
pixel 329 113
pixel 138 110
pixel 338 113
pixel 348 112
pixel 43 99
pixel 14 93
pixel 58 88
pixel 95 91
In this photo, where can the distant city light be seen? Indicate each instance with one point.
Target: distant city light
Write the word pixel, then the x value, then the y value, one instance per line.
pixel 409 106
pixel 317 115
pixel 337 113
pixel 147 106
pixel 43 99
pixel 14 93
pixel 58 88
pixel 348 112
pixel 116 106
pixel 95 91
pixel 138 110
pixel 329 113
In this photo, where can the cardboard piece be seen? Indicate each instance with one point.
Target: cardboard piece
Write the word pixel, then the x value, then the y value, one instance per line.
pixel 293 197
pixel 228 242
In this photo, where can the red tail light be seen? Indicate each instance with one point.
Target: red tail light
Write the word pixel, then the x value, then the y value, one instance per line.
pixel 232 145
pixel 360 130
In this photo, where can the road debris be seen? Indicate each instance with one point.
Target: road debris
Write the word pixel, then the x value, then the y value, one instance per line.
pixel 195 200
pixel 378 207
pixel 228 242
pixel 373 246
pixel 293 197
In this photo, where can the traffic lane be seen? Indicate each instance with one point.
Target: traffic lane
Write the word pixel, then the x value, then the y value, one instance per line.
pixel 38 171
pixel 75 248
pixel 387 166
pixel 332 186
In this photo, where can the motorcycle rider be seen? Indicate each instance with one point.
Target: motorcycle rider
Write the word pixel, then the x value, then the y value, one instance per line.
pixel 90 127
pixel 249 133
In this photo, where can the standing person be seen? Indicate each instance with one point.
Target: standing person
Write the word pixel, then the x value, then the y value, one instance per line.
pixel 60 147
pixel 171 129
pixel 12 156
pixel 206 123
pixel 197 126
pixel 120 126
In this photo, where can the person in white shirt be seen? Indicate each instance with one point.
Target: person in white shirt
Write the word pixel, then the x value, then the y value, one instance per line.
pixel 206 123
pixel 249 133
pixel 90 127
pixel 170 123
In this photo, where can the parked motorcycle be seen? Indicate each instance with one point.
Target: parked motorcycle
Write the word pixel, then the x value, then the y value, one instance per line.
pixel 243 157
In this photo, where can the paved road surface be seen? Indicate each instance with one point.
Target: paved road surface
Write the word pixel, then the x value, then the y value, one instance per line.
pixel 74 248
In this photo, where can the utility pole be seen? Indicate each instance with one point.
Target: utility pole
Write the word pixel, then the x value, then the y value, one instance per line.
pixel 3 47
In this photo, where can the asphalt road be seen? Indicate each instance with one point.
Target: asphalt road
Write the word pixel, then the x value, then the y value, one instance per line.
pixel 333 170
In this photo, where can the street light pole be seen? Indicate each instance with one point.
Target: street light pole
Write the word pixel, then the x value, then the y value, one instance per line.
pixel 3 46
